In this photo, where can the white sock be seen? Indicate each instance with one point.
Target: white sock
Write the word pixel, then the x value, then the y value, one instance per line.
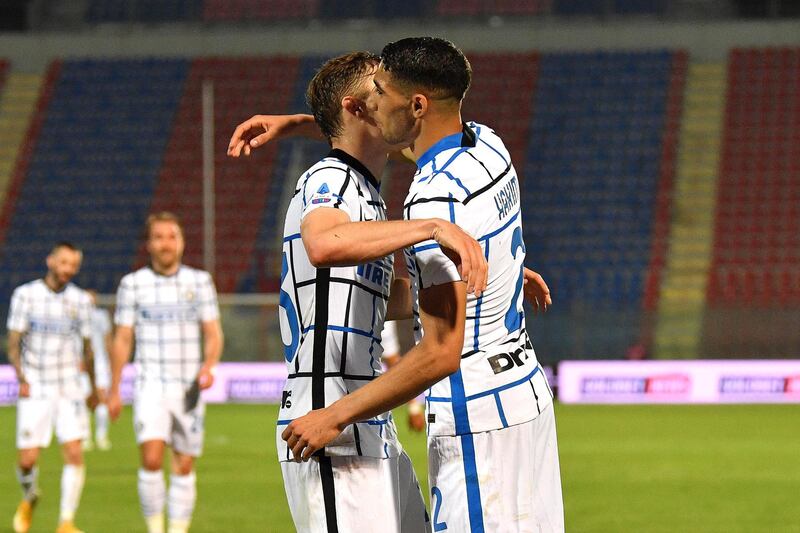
pixel 182 495
pixel 27 480
pixel 72 477
pixel 101 422
pixel 152 494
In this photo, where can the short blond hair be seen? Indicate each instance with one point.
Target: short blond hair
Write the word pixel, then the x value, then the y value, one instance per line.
pixel 161 216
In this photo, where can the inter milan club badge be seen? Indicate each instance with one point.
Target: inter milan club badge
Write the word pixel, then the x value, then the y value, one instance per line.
pixel 72 312
pixel 188 296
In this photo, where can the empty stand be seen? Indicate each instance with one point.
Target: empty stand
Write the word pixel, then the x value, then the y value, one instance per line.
pixel 266 10
pixel 143 10
pixel 593 174
pixel 89 167
pixel 754 274
pixel 242 86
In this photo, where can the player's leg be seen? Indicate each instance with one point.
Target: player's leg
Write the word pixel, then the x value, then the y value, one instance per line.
pixel 34 431
pixel 548 501
pixel 86 389
pixel 187 444
pixel 356 494
pixel 72 428
pixel 101 421
pixel 152 426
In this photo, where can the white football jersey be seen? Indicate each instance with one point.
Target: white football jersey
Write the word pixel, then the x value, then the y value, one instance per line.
pixel 166 313
pixel 331 318
pixel 469 180
pixel 53 325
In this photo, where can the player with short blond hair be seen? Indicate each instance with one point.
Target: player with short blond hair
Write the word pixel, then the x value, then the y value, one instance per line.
pixel 171 310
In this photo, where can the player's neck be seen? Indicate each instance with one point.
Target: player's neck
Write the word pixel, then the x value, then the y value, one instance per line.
pixel 52 282
pixel 435 127
pixel 165 270
pixel 372 157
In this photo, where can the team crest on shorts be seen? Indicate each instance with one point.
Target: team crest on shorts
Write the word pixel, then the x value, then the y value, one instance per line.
pixel 26 433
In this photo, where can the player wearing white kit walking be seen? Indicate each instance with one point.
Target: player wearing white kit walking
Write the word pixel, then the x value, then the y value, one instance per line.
pixel 101 340
pixel 493 459
pixel 48 342
pixel 332 315
pixel 172 312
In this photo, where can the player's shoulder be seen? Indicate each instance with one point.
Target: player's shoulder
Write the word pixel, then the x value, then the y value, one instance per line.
pixel 197 274
pixel 327 168
pixel 79 294
pixel 131 278
pixel 27 289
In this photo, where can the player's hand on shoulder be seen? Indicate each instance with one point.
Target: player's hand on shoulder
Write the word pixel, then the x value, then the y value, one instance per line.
pixel 309 433
pixel 536 291
pixel 258 130
pixel 466 253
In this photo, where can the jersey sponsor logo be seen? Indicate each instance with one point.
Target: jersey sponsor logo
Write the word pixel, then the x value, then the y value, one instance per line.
pixel 286 402
pixel 376 273
pixel 667 384
pixel 506 361
pixel 168 313
pixel 507 198
pixel 53 326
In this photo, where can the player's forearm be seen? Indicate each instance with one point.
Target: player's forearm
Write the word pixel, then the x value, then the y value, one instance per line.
pixel 120 353
pixel 419 369
pixel 355 243
pixel 14 354
pixel 212 346
pixel 88 359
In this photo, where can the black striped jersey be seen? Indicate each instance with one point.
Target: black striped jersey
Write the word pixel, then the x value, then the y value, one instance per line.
pixel 53 326
pixel 331 318
pixel 468 179
pixel 167 313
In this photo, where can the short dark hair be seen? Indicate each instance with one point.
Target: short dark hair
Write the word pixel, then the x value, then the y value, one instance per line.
pixel 161 216
pixel 333 81
pixel 430 63
pixel 64 244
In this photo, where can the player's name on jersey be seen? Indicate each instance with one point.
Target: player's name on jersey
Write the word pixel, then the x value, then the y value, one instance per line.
pixel 507 198
pixel 168 313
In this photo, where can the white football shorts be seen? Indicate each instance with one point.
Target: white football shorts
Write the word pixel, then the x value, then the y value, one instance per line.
pixel 505 480
pixel 352 494
pixel 37 417
pixel 160 417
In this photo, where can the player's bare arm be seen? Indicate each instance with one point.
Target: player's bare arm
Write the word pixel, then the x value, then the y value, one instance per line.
pixel 258 130
pixel 120 354
pixel 13 349
pixel 331 239
pixel 443 316
pixel 88 362
pixel 536 291
pixel 213 341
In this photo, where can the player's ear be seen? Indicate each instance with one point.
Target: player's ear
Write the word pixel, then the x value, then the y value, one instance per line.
pixel 354 106
pixel 419 105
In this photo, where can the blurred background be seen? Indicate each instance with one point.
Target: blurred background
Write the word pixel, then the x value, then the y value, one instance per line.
pixel 657 142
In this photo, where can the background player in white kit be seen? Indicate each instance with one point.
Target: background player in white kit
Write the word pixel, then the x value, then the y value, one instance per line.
pixel 48 342
pixel 492 452
pixel 171 310
pixel 101 342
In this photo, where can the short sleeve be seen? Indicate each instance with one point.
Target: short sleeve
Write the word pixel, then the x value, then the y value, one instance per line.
pixel 104 321
pixel 432 265
pixel 18 312
pixel 125 313
pixel 208 307
pixel 332 187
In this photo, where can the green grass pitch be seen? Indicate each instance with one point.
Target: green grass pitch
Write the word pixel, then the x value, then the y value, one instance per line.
pixel 624 469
